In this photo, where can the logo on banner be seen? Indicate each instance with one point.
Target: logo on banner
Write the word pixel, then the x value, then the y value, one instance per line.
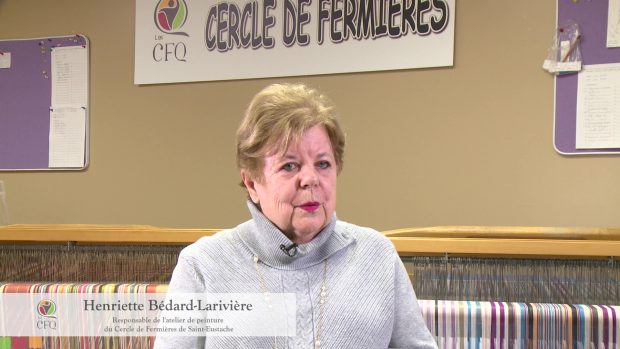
pixel 170 16
pixel 46 308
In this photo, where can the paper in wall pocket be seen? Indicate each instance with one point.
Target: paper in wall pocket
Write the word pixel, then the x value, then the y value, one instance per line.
pixel 5 60
pixel 564 55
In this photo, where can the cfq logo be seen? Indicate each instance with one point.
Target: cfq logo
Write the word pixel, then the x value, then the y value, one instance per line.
pixel 47 309
pixel 170 16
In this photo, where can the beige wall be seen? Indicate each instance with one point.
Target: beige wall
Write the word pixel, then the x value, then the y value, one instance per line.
pixel 464 145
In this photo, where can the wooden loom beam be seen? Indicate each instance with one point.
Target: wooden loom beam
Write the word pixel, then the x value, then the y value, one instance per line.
pixel 466 240
pixel 100 234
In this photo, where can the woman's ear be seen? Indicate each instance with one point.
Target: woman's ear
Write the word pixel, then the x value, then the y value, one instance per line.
pixel 250 185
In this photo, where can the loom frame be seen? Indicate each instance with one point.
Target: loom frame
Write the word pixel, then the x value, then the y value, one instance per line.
pixel 490 241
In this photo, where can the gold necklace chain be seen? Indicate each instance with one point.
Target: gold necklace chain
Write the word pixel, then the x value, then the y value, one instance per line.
pixel 322 300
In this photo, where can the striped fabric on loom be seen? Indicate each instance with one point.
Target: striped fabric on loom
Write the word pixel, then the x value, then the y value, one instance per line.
pixel 455 324
pixel 515 280
pixel 79 342
pixel 495 325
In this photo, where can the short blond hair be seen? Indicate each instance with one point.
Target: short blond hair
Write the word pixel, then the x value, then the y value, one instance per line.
pixel 277 116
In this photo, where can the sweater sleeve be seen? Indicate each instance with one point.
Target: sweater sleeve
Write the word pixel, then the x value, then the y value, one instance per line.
pixel 410 330
pixel 185 279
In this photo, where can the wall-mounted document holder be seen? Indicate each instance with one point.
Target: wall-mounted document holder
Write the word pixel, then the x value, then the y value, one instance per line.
pixel 44 103
pixel 587 103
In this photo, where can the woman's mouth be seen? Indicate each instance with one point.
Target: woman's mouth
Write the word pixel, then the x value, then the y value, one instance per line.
pixel 310 206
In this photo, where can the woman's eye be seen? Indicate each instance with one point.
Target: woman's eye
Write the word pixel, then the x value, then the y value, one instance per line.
pixel 323 165
pixel 290 166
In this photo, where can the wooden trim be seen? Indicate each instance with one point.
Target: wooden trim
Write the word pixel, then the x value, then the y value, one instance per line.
pixel 507 247
pixel 97 234
pixel 502 232
pixel 470 240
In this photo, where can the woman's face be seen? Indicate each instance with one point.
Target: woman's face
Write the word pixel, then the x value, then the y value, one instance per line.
pixel 298 189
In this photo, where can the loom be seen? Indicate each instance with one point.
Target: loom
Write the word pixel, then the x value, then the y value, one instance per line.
pixel 492 287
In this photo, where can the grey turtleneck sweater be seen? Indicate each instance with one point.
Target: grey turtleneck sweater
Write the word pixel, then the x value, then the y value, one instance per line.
pixel 370 302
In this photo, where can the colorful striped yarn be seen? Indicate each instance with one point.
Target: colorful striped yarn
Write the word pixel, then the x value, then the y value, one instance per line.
pixel 455 324
pixel 495 325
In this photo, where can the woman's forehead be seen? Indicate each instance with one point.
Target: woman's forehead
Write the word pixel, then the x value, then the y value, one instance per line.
pixel 294 151
pixel 314 140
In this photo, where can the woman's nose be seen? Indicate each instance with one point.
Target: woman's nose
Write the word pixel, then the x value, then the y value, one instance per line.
pixel 309 177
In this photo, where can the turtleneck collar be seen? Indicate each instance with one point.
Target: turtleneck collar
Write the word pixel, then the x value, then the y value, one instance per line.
pixel 264 240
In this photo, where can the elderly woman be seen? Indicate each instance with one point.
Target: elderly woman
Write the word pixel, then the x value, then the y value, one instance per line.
pixel 352 290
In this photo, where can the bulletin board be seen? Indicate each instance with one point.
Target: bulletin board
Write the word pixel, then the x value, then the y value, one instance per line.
pixel 591 16
pixel 44 108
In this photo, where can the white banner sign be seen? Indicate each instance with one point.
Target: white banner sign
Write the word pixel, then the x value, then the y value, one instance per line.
pixel 147 314
pixel 203 40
